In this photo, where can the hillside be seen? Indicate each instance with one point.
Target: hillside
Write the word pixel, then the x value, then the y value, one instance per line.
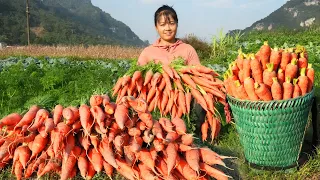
pixel 294 14
pixel 62 22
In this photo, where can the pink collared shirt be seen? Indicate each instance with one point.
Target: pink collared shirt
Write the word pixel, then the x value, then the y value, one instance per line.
pixel 165 54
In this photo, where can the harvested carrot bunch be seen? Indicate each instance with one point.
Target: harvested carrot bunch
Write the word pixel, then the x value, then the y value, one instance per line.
pixel 103 137
pixel 171 88
pixel 270 74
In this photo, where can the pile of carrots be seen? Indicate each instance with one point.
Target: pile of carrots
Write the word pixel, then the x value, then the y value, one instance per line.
pixel 270 74
pixel 103 137
pixel 171 88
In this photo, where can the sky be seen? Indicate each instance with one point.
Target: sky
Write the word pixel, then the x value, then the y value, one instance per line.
pixel 203 18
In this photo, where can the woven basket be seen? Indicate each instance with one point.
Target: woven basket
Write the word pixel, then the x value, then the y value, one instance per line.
pixel 272 133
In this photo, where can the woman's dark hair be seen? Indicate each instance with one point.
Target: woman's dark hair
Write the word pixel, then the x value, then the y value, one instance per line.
pixel 165 11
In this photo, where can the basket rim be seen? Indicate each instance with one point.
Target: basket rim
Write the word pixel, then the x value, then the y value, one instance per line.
pixel 272 101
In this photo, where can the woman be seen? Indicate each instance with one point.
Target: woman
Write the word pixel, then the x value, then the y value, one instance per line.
pixel 167 47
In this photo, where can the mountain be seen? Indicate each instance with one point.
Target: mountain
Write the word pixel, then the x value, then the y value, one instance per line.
pixel 294 14
pixel 62 22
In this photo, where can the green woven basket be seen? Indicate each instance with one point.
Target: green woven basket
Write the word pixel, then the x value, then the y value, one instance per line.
pixel 272 133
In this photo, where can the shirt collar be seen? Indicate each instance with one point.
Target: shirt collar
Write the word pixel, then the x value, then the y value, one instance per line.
pixel 157 44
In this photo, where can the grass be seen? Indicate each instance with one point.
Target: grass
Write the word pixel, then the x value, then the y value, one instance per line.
pixel 92 52
pixel 46 82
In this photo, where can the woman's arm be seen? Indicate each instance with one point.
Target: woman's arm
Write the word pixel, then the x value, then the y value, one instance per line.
pixel 143 58
pixel 193 58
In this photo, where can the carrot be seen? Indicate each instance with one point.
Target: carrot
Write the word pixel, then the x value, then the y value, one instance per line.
pixel 70 143
pixel 108 169
pixel 188 101
pixel 52 165
pixel 129 156
pixel 38 145
pixel 28 171
pixel 120 141
pixel 139 84
pixel 184 169
pixel 303 81
pixel 95 100
pixel 96 159
pixel 249 88
pixel 199 98
pixel 84 141
pixel 121 115
pixel 171 137
pixel 241 92
pixel 10 120
pixel 99 116
pixel 147 119
pixel 107 153
pixel 117 86
pixel 91 172
pixel 28 117
pixel 210 157
pixel 125 170
pixel 49 125
pixel 287 89
pixel 204 130
pixel 239 60
pixel 275 58
pixel 187 139
pixel 256 69
pixel 213 172
pixel 234 68
pixel 302 61
pixel 268 74
pixel 262 92
pixel 136 75
pixel 280 76
pixel 180 126
pixel 193 159
pixel 265 52
pixel 291 69
pixel 241 76
pixel 285 59
pixel 70 163
pixel 18 170
pixel 171 156
pixel 156 79
pixel 85 119
pixel 310 75
pixel 187 80
pixel 246 68
pixel 148 77
pixel 151 94
pixel 276 89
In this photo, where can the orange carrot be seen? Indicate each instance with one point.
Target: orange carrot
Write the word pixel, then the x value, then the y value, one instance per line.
pixel 107 153
pixel 204 130
pixel 171 156
pixel 148 77
pixel 121 115
pixel 302 61
pixel 91 172
pixel 292 69
pixel 193 159
pixel 256 69
pixel 263 92
pixel 249 88
pixel 276 89
pixel 187 139
pixel 303 81
pixel 108 169
pixel 281 77
pixel 28 117
pixel 241 92
pixel 52 165
pixel 213 172
pixel 38 145
pixel 239 60
pixel 285 59
pixel 171 137
pixel 70 163
pixel 136 75
pixel 18 170
pixel 265 52
pixel 166 124
pixel 246 68
pixel 234 68
pixel 187 80
pixel 95 100
pixel 184 169
pixel 310 75
pixel 180 126
pixel 85 119
pixel 241 75
pixel 199 98
pixel 275 58
pixel 130 156
pixel 287 89
pixel 268 74
pixel 96 159
pixel 10 120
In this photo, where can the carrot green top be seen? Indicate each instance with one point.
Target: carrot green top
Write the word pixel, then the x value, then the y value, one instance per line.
pixel 165 54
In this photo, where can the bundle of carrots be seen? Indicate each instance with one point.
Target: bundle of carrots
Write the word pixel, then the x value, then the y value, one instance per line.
pixel 103 137
pixel 270 74
pixel 170 89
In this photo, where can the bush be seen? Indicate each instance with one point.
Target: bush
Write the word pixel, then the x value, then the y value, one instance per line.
pixel 203 48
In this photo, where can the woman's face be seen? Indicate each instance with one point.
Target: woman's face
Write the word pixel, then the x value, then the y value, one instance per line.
pixel 167 28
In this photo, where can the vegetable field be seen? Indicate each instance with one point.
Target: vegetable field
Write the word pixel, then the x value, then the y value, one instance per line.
pixel 70 81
